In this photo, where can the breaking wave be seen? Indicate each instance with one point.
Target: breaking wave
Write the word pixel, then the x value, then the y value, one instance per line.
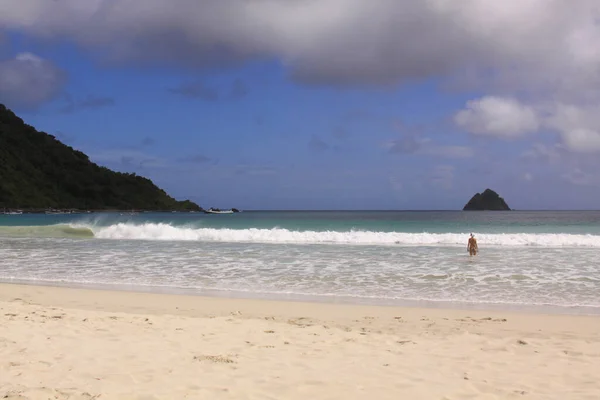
pixel 167 232
pixel 353 237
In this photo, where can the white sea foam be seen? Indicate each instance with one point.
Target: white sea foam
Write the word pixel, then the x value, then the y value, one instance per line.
pixel 501 275
pixel 151 231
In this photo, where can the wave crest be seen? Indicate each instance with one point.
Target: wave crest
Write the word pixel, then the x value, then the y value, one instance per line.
pixel 167 232
pixel 61 230
pixel 152 231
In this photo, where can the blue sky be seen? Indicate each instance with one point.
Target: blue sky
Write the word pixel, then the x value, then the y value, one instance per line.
pixel 269 104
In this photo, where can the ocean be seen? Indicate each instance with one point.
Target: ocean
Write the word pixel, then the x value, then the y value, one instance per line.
pixel 527 260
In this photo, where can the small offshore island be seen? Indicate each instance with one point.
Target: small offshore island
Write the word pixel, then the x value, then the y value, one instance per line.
pixel 486 201
pixel 38 173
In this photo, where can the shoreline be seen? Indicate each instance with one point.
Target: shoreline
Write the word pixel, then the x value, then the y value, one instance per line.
pixel 131 302
pixel 544 309
pixel 70 343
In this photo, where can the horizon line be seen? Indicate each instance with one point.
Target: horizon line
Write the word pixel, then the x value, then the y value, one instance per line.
pixel 421 210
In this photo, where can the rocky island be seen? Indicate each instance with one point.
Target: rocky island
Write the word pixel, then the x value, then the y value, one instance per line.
pixel 488 200
pixel 39 172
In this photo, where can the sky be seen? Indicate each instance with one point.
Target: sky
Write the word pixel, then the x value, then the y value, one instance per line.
pixel 319 104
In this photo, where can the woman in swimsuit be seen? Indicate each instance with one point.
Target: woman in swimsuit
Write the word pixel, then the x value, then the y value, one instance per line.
pixel 472 246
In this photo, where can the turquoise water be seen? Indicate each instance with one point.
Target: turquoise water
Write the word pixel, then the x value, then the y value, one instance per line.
pixel 526 258
pixel 578 222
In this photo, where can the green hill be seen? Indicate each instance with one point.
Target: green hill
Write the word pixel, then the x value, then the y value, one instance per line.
pixel 38 171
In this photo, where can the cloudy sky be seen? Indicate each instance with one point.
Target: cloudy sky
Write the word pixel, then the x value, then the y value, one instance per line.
pixel 319 104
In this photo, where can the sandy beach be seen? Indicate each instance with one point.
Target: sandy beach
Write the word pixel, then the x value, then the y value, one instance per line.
pixel 62 343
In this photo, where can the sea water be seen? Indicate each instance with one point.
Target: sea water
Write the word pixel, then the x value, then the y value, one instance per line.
pixel 526 259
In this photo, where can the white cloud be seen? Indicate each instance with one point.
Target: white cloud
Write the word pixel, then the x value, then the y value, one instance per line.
pixel 577 125
pixel 536 49
pixel 582 140
pixel 540 151
pixel 497 116
pixel 28 80
pixel 566 117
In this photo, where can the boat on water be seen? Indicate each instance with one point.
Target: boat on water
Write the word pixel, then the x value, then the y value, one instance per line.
pixel 12 212
pixel 132 212
pixel 218 211
pixel 58 212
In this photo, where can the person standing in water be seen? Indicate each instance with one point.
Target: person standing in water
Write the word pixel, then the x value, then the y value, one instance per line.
pixel 472 246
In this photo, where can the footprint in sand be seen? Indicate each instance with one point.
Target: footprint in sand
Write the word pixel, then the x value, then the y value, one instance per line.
pixel 218 359
pixel 15 397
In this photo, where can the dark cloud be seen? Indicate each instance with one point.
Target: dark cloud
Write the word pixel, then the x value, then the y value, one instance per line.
pixel 370 42
pixel 27 81
pixel 549 52
pixel 195 90
pixel 317 144
pixel 89 102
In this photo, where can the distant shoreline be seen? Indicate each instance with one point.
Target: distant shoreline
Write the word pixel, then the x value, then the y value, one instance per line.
pixel 77 211
pixel 95 211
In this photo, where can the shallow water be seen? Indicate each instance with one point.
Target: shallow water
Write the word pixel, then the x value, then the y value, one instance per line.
pixel 526 258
